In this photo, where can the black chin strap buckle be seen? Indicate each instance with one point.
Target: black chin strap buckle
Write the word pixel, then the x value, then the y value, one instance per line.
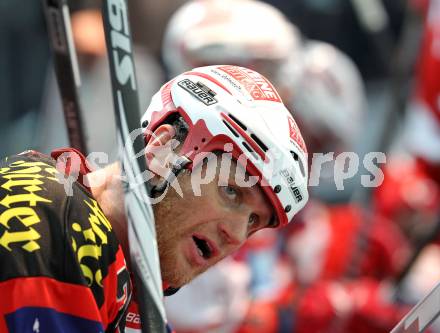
pixel 170 291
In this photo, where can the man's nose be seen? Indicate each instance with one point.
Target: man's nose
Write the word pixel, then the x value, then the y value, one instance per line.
pixel 234 230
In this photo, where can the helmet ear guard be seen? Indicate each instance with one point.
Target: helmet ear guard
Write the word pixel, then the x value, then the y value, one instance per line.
pixel 253 127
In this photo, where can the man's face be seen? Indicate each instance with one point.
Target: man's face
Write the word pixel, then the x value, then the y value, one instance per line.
pixel 196 231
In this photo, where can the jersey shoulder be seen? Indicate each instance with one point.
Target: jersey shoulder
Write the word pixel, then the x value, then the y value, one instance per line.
pixel 32 204
pixel 53 229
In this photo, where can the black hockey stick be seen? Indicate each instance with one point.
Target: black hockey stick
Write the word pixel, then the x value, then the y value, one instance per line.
pixel 141 227
pixel 66 68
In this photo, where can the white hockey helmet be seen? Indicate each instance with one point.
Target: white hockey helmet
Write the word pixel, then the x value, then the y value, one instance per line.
pixel 237 110
pixel 327 94
pixel 246 33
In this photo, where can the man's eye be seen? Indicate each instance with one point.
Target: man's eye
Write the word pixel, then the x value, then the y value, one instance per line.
pixel 253 220
pixel 230 192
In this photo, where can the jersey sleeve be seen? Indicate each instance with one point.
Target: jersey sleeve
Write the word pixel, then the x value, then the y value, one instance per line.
pixel 38 304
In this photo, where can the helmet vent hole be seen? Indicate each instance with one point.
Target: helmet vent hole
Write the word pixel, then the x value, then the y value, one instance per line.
pixel 250 150
pixel 230 128
pixel 203 139
pixel 259 142
pixel 196 148
pixel 301 165
pixel 295 155
pixel 239 123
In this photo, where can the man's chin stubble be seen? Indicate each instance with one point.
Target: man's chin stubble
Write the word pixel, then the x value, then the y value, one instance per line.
pixel 173 276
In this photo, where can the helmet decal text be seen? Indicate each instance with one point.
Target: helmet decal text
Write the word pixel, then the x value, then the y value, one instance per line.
pixel 290 180
pixel 295 134
pixel 256 84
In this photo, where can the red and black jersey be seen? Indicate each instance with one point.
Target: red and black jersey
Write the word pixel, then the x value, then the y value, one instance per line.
pixel 61 266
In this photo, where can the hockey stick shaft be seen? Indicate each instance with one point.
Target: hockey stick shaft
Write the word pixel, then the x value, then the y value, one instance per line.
pixel 66 68
pixel 141 227
pixel 422 315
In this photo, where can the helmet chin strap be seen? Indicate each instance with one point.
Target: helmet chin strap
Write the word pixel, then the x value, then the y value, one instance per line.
pixel 177 167
pixel 170 291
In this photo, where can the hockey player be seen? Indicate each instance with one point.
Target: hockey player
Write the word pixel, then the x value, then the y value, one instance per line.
pixel 224 164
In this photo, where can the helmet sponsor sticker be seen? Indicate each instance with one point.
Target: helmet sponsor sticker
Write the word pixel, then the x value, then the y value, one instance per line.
pixel 199 91
pixel 290 180
pixel 256 84
pixel 295 134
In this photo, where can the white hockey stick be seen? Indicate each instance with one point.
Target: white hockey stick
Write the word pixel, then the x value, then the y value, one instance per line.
pixel 421 315
pixel 141 225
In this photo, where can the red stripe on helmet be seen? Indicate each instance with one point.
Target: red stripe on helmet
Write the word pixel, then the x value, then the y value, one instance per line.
pixel 167 99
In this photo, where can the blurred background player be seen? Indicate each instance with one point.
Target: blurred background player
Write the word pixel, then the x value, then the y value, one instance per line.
pixel 327 94
pixel 245 32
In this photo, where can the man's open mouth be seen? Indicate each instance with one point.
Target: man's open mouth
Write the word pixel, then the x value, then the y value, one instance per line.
pixel 203 247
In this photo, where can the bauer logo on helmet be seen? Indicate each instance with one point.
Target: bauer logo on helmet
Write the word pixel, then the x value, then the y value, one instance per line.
pixel 199 91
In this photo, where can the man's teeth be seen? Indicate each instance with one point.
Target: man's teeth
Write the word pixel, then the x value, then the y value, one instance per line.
pixel 200 252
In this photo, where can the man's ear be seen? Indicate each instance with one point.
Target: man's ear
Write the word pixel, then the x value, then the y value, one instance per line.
pixel 159 149
pixel 162 135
